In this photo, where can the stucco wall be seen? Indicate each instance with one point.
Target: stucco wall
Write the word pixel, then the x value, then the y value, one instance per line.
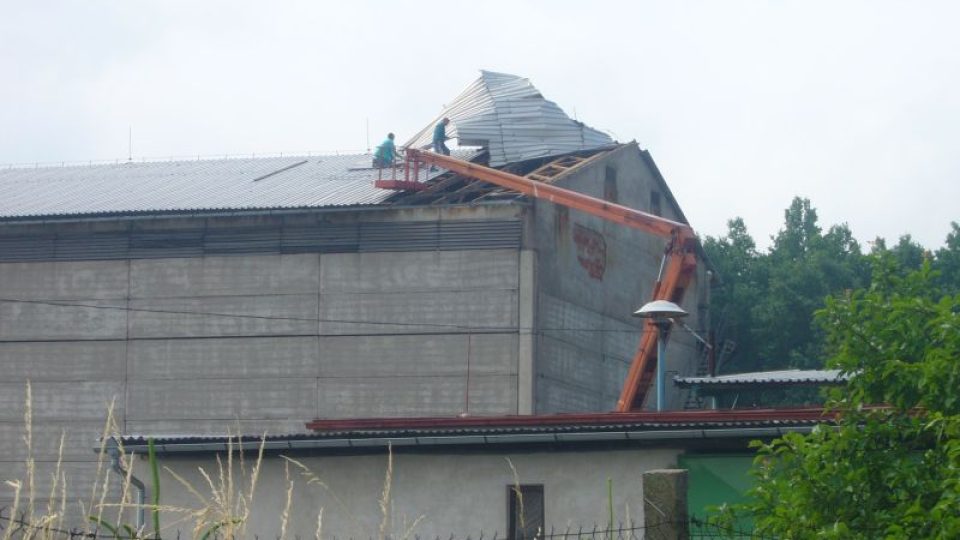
pixel 592 275
pixel 463 494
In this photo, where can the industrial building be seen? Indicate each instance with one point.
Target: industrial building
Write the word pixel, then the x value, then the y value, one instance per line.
pixel 260 294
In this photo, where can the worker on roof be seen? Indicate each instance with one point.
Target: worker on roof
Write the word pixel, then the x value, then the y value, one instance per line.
pixel 386 153
pixel 440 137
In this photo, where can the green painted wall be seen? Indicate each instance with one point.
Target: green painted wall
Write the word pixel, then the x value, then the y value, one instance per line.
pixel 715 479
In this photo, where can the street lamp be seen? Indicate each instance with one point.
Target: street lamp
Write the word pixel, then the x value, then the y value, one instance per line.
pixel 661 314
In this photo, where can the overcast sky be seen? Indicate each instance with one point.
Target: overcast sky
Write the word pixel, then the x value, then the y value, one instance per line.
pixel 744 105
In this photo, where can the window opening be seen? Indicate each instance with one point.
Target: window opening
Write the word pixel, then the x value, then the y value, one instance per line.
pixel 525 511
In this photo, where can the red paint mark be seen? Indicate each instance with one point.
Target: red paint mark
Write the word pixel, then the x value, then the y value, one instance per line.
pixel 591 250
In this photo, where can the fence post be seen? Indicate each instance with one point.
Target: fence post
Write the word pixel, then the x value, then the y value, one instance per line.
pixel 665 504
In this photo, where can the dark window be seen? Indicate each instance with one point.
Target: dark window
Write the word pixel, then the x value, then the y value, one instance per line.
pixel 525 511
pixel 655 203
pixel 610 184
pixel 561 222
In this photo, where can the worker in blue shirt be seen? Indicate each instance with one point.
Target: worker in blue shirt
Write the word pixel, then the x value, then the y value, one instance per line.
pixel 386 153
pixel 440 137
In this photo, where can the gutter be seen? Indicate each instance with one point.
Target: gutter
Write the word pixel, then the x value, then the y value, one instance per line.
pixel 113 450
pixel 227 444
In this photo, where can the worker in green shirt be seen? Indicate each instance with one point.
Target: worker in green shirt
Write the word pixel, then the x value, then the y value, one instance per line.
pixel 386 153
pixel 440 137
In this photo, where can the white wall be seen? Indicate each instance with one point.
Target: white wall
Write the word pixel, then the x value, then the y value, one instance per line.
pixel 462 494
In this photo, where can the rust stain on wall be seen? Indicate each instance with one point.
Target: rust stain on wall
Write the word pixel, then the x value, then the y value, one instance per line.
pixel 591 250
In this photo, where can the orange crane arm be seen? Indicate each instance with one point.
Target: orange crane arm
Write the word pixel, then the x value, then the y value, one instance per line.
pixel 675 276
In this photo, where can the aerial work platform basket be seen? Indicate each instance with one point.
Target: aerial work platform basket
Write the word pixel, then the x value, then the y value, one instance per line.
pixel 404 176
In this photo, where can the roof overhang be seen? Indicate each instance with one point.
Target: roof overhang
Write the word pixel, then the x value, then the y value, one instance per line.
pixel 679 429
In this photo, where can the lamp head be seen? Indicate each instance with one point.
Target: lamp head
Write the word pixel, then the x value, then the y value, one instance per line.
pixel 660 310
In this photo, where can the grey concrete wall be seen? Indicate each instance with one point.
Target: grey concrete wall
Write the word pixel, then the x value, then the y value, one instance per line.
pixel 592 274
pixel 251 343
pixel 462 494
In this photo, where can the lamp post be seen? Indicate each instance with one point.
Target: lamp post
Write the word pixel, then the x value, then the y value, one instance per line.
pixel 661 314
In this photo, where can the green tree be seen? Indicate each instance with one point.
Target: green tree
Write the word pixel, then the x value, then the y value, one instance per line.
pixel 765 302
pixel 743 283
pixel 883 472
pixel 908 254
pixel 947 262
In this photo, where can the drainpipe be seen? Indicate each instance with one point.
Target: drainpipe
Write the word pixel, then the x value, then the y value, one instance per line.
pixel 113 449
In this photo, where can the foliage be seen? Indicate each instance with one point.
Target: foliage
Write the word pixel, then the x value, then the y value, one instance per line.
pixel 883 472
pixel 765 301
pixel 744 279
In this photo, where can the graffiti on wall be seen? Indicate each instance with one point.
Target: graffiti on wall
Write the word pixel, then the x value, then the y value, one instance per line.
pixel 591 250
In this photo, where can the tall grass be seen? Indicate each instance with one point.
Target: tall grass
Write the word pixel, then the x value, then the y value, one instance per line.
pixel 222 502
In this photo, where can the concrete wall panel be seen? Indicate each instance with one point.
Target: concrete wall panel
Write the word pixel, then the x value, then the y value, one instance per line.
pixel 391 397
pixel 64 280
pixel 422 312
pixel 554 396
pixel 621 340
pixel 568 362
pixel 224 316
pixel 273 426
pixel 212 358
pixel 80 478
pixel 103 319
pixel 393 356
pixel 419 271
pixel 224 399
pixel 493 394
pixel 62 360
pixel 425 354
pixel 570 322
pixel 494 354
pixel 79 440
pixel 490 269
pixel 379 272
pixel 217 276
pixel 615 373
pixel 62 401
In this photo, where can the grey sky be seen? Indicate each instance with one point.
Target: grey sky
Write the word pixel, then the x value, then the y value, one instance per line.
pixel 743 105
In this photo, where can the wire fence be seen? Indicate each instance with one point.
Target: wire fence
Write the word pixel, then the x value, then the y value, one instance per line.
pixel 18 528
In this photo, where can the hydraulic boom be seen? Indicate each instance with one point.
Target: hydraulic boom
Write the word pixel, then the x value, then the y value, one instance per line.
pixel 676 272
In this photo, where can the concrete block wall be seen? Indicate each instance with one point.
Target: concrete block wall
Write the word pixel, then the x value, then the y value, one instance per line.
pixel 250 342
pixel 592 275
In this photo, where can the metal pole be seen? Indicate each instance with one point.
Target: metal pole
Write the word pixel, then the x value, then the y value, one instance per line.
pixel 661 354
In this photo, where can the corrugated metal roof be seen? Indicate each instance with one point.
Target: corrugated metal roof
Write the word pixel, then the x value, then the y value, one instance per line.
pixel 188 186
pixel 511 118
pixel 783 377
pixel 365 433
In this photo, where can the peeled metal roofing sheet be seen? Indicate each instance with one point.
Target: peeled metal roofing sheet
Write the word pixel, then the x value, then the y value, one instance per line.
pixel 511 118
pixel 223 184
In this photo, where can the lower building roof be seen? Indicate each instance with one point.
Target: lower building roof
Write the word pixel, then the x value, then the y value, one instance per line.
pixel 366 434
pixel 759 380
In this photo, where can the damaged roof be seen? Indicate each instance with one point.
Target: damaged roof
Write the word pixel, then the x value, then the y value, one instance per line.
pixel 507 115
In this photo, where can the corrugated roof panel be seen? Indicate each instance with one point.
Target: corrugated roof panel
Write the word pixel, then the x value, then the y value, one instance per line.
pixel 789 376
pixel 188 186
pixel 511 118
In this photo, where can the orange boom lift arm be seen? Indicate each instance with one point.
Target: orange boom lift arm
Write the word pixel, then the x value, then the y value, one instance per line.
pixel 676 271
